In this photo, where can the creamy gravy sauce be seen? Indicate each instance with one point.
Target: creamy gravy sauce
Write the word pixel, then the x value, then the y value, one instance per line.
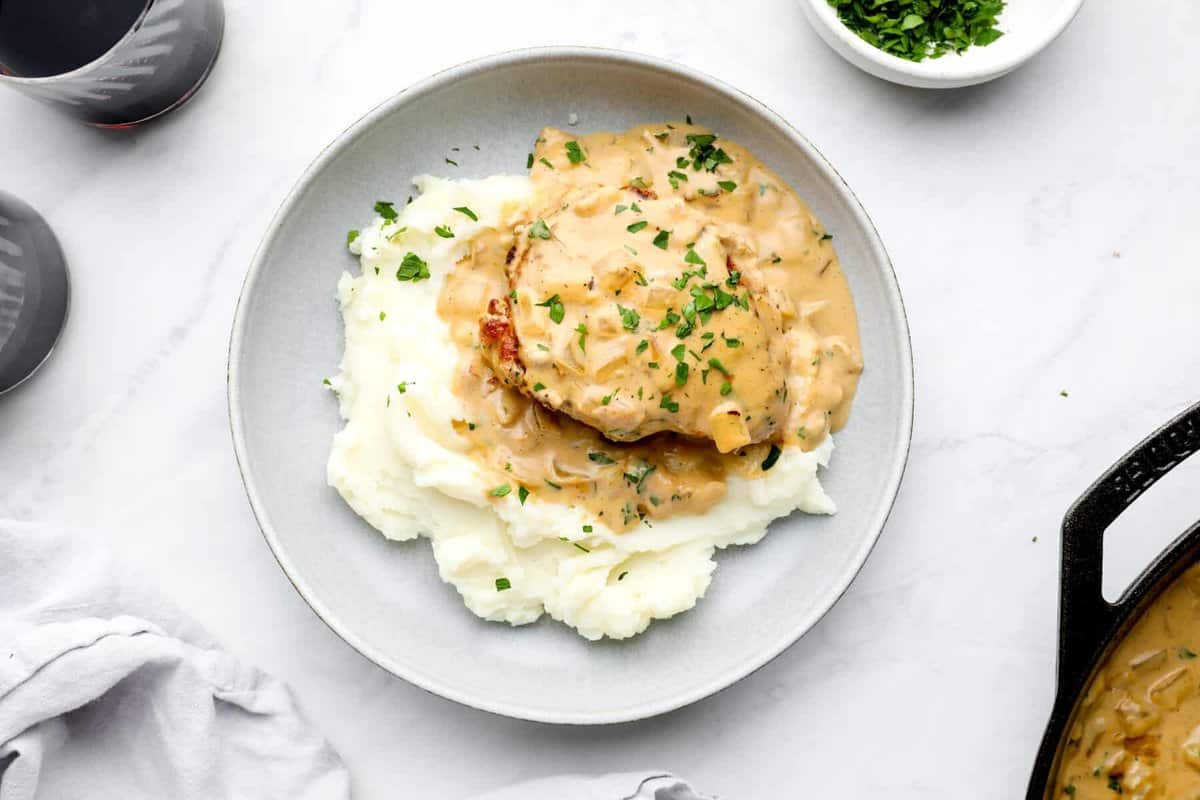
pixel 785 337
pixel 1136 733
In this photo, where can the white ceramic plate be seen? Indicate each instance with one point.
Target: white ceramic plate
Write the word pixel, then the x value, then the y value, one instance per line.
pixel 385 598
pixel 1029 27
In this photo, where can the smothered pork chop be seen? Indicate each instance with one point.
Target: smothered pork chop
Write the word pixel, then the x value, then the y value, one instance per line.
pixel 596 376
pixel 637 312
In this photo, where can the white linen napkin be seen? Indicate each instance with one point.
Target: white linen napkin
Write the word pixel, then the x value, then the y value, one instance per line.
pixel 108 691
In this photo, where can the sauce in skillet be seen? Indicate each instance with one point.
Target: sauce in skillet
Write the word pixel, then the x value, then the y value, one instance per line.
pixel 671 313
pixel 1136 733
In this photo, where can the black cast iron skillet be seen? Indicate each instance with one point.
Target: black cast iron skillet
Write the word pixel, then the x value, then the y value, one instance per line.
pixel 1088 625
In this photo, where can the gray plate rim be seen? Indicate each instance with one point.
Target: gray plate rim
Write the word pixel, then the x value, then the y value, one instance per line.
pixel 435 82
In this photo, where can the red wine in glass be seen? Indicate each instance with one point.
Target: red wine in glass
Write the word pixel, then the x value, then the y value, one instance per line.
pixel 111 63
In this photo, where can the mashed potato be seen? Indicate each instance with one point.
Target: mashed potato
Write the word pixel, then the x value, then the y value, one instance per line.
pixel 400 463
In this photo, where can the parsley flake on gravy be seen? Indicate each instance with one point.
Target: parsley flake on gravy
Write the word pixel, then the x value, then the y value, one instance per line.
pixel 539 230
pixel 556 309
pixel 575 153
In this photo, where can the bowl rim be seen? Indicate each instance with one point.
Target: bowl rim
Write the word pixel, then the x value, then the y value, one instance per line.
pixel 940 70
pixel 643 709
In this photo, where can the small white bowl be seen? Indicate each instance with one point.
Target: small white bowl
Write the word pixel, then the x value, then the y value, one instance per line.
pixel 1028 26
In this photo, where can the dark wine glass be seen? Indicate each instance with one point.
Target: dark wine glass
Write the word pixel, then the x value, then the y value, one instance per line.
pixel 109 63
pixel 34 292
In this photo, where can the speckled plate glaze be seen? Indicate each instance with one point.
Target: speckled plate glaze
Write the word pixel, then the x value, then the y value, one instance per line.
pixel 385 598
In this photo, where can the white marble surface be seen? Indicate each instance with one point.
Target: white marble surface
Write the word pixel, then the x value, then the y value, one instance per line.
pixel 1004 208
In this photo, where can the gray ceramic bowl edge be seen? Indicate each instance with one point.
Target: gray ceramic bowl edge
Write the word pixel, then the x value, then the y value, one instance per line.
pixel 364 628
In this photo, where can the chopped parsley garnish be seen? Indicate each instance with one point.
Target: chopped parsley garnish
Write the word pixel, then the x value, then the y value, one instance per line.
pixel 681 373
pixel 451 162
pixel 674 177
pixel 326 382
pixel 693 257
pixel 522 494
pixel 575 153
pixel 587 528
pixel 730 342
pixel 726 389
pixel 662 239
pixel 681 282
pixel 670 319
pixel 771 458
pixel 606 399
pixel 557 312
pixel 642 345
pixel 546 162
pixel 728 186
pixel 678 351
pixel 704 154
pixel 637 226
pixel 529 161
pixel 668 403
pixel 1186 654
pixel 620 208
pixel 630 319
pixel 412 268
pixel 350 237
pixel 718 366
pixel 386 209
pixel 539 386
pixel 634 206
pixel 638 477
pixel 581 547
pixel 621 577
pixel 539 230
pixel 596 457
pixel 920 29
pixel 582 330
pixel 639 183
pixel 501 491
pixel 444 231
pixel 553 485
pixel 503 584
pixel 468 213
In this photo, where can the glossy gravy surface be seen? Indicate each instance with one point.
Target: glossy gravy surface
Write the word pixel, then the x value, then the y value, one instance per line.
pixel 594 405
pixel 1136 733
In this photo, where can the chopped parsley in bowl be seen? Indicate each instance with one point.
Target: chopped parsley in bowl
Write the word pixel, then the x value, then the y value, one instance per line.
pixel 939 44
pixel 920 29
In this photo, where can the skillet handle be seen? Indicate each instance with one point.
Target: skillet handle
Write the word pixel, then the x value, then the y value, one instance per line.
pixel 1085 617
